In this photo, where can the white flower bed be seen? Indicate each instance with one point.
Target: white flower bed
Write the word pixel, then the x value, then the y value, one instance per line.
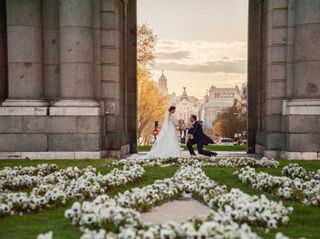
pixel 294 170
pixel 57 187
pixel 297 187
pixel 214 162
pixel 233 210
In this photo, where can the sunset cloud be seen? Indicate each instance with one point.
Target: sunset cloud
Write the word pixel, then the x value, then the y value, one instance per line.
pixel 201 56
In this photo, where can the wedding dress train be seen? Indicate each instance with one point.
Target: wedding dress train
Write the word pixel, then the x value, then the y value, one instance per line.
pixel 167 144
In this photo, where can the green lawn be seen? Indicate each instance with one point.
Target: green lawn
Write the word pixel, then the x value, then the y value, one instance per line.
pixel 304 221
pixel 145 148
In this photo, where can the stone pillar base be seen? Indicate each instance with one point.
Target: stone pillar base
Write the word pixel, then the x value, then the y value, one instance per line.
pixel 286 154
pixel 75 108
pixel 53 155
pixel 25 103
pixel 125 150
pixel 22 110
pixel 300 155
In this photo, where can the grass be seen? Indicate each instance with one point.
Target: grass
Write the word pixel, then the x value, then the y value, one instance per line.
pixel 304 222
pixel 146 148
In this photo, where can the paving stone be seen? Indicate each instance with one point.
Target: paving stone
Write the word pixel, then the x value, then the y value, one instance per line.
pixel 175 211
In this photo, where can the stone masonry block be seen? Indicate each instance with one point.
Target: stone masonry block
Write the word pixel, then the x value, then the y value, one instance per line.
pixel 306 85
pixel 111 5
pixel 273 123
pixel 51 46
pixel 110 90
pixel 24 13
pixel 110 20
pixel 25 80
pixel 74 142
pixel 303 142
pixel 81 16
pixel 76 45
pixel 307 45
pixel 62 124
pixel 10 124
pixel 275 140
pixel 304 124
pixel 50 13
pixel 23 142
pixel 276 106
pixel 278 54
pixel 79 83
pixel 110 56
pixel 279 36
pixel 278 71
pixel 110 73
pixel 280 17
pixel 24 43
pixel 307 12
pixel 278 89
pixel 279 4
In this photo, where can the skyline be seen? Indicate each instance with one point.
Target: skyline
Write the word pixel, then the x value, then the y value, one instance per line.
pixel 194 56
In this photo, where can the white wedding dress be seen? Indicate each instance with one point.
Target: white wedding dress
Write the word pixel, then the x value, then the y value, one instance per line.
pixel 167 144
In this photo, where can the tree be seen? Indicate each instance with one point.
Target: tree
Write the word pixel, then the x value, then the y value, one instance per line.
pixel 147 41
pixel 151 104
pixel 234 119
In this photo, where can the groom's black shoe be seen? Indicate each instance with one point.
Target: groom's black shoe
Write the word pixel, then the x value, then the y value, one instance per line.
pixel 214 154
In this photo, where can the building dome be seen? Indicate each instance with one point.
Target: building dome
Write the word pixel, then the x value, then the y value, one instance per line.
pixel 184 95
pixel 212 88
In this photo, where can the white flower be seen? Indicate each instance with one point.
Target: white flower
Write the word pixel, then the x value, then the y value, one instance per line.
pixel 47 235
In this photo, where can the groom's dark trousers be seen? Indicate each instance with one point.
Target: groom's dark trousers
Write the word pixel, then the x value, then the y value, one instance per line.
pixel 199 147
pixel 200 139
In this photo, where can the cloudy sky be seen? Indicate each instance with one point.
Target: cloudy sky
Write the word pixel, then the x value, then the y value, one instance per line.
pixel 201 42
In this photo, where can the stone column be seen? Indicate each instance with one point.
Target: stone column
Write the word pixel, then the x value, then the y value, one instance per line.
pixel 25 60
pixel 253 72
pixel 3 53
pixel 76 59
pixel 132 74
pixel 113 78
pixel 51 71
pixel 302 108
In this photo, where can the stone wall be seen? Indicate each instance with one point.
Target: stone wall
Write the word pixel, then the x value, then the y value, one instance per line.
pixel 284 109
pixel 70 65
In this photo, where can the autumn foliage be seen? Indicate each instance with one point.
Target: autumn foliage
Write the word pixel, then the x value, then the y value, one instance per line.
pixel 151 104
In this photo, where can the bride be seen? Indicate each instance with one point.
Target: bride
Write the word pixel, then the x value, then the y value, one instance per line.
pixel 167 145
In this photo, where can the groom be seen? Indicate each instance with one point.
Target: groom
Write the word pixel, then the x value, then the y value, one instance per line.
pixel 199 138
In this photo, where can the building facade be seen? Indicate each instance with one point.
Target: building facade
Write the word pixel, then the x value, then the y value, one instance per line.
pixel 68 82
pixel 185 105
pixel 216 102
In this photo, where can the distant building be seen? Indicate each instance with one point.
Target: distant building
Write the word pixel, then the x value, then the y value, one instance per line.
pixel 217 100
pixel 185 105
pixel 163 84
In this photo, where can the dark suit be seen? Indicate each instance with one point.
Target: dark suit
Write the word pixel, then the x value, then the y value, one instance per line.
pixel 200 139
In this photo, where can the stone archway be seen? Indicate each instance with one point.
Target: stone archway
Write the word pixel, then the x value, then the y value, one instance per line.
pixel 74 96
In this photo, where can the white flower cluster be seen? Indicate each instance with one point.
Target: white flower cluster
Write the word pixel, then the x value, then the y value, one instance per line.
pixel 214 162
pixel 294 170
pixel 296 188
pixel 57 187
pixel 233 210
pixel 24 177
